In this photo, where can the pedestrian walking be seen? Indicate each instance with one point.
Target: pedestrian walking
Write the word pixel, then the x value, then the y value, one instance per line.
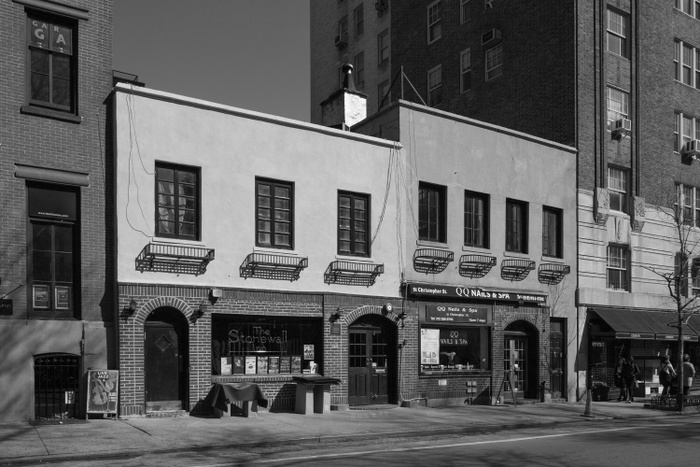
pixel 630 370
pixel 666 375
pixel 619 380
pixel 688 374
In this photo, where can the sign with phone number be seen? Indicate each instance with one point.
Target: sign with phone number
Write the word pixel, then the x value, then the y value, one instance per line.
pixel 457 314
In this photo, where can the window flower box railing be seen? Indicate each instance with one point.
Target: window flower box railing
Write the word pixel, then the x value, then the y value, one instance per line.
pixel 352 273
pixel 432 260
pixel 176 259
pixel 552 273
pixel 476 266
pixel 273 266
pixel 516 269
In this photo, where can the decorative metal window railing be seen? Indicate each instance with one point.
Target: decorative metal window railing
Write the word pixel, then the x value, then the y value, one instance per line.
pixel 273 266
pixel 475 266
pixel 552 273
pixel 177 259
pixel 352 273
pixel 432 260
pixel 516 269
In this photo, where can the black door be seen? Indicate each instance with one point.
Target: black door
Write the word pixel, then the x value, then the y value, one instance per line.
pixel 165 350
pixel 370 364
pixel 557 359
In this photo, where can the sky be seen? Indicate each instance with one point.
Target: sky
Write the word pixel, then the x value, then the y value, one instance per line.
pixel 252 54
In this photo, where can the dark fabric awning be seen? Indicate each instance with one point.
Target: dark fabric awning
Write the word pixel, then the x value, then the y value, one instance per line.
pixel 632 324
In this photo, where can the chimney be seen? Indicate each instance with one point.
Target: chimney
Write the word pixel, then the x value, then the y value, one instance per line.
pixel 346 106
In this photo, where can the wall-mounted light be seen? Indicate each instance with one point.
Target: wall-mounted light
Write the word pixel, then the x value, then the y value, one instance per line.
pixel 403 344
pixel 199 312
pixel 335 316
pixel 130 309
pixel 402 317
pixel 388 308
pixel 215 294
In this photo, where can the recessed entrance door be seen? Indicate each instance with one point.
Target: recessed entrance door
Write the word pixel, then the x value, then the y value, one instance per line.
pixel 165 350
pixel 514 357
pixel 368 369
pixel 557 357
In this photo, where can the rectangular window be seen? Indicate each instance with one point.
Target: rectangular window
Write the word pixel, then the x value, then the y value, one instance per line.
pixel 516 226
pixel 383 47
pixel 359 64
pixel 476 219
pixel 617 265
pixel 434 22
pixel 689 199
pixel 343 29
pixel 383 93
pixel 51 61
pixel 353 224
pixel 465 67
pixel 689 7
pixel 617 188
pixel 494 62
pixel 617 33
pixel 687 129
pixel 359 17
pixel 432 212
pixel 552 232
pixel 695 276
pixel 177 202
pixel 680 269
pixel 464 15
pixel 618 105
pixel 54 265
pixel 454 348
pixel 435 85
pixel 686 63
pixel 274 214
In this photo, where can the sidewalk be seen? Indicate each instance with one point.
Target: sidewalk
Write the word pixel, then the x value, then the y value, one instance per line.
pixel 24 444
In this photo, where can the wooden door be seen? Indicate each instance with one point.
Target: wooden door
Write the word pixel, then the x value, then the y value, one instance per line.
pixel 164 366
pixel 557 359
pixel 514 357
pixel 368 370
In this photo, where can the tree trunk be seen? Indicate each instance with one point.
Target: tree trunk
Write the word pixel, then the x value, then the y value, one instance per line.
pixel 679 378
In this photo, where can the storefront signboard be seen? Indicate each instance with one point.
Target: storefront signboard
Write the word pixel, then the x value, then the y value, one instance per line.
pixel 5 307
pixel 103 387
pixel 456 314
pixel 420 290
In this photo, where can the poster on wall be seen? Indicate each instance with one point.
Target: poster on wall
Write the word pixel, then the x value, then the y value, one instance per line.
pixel 62 297
pixel 250 366
pixel 40 296
pixel 284 365
pixel 273 366
pixel 308 351
pixel 103 386
pixel 429 346
pixel 225 365
pixel 296 364
pixel 262 364
pixel 238 365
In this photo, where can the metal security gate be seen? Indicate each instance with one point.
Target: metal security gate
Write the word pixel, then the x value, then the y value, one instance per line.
pixel 56 386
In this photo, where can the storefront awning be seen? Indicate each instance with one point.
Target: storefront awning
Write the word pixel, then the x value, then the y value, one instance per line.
pixel 631 324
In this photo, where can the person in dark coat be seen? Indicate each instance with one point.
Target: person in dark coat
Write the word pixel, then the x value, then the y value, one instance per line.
pixel 619 380
pixel 630 370
pixel 666 375
pixel 688 374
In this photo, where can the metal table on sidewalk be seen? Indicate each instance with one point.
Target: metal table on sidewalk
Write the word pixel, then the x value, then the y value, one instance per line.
pixel 313 393
pixel 221 396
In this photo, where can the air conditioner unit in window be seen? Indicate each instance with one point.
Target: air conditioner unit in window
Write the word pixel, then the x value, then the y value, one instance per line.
pixel 341 41
pixel 622 127
pixel 491 35
pixel 692 148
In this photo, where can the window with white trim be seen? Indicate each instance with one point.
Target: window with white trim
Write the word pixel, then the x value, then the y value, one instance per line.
pixel 689 198
pixel 618 25
pixel 465 70
pixel 687 128
pixel 464 15
pixel 617 267
pixel 516 226
pixel 434 22
pixel 618 105
pixel 617 188
pixel 689 7
pixel 435 85
pixel 686 64
pixel 494 62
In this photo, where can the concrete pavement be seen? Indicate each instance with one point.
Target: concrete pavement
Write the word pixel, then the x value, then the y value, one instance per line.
pixel 22 443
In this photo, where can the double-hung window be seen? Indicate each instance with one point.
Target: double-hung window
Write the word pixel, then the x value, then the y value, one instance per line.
pixel 435 85
pixel 353 224
pixel 383 48
pixel 465 70
pixel 618 105
pixel 687 129
pixel 494 62
pixel 432 212
pixel 552 232
pixel 434 22
pixel 359 64
pixel 177 201
pixel 617 267
pixel 516 226
pixel 476 219
pixel 686 63
pixel 464 15
pixel 618 25
pixel 274 214
pixel 689 7
pixel 359 17
pixel 617 188
pixel 695 276
pixel 689 199
pixel 681 269
pixel 52 63
pixel 383 93
pixel 343 29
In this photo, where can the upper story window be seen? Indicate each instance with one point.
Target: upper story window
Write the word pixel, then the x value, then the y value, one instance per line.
pixel 617 267
pixel 476 219
pixel 383 47
pixel 432 212
pixel 177 201
pixel 274 214
pixel 53 251
pixel 465 67
pixel 353 224
pixel 52 62
pixel 494 62
pixel 464 14
pixel 359 19
pixel 686 63
pixel 343 29
pixel 435 85
pixel 383 93
pixel 695 276
pixel 618 26
pixel 516 226
pixel 687 129
pixel 689 7
pixel 618 105
pixel 359 65
pixel 552 231
pixel 617 188
pixel 434 22
pixel 689 197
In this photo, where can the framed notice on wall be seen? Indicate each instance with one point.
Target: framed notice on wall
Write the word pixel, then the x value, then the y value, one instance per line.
pixel 103 391
pixel 429 346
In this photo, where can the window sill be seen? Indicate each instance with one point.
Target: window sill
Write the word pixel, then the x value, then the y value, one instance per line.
pixel 50 113
pixel 552 259
pixel 476 250
pixel 610 52
pixel 515 254
pixel 430 244
pixel 357 259
pixel 178 241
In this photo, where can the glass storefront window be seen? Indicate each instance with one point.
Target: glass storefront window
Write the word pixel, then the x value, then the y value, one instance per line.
pixel 454 348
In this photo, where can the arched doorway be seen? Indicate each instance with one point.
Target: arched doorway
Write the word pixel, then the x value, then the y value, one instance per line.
pixel 520 342
pixel 372 361
pixel 166 360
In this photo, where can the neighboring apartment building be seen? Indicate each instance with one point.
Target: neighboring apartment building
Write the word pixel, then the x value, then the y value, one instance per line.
pixel 617 80
pixel 55 283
